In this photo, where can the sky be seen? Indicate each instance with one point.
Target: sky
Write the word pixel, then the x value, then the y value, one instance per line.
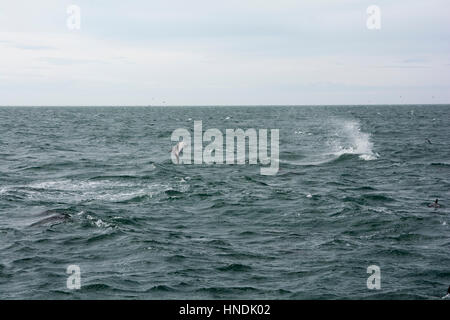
pixel 234 52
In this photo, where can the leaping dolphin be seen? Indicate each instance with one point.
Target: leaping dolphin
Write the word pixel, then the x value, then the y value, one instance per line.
pixel 176 150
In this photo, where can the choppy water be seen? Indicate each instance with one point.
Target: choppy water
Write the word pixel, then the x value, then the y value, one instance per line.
pixel 352 191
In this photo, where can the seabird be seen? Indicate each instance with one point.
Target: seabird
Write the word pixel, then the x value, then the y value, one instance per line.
pixel 435 204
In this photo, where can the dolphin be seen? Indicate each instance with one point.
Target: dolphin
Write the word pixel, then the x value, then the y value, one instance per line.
pixel 52 217
pixel 176 150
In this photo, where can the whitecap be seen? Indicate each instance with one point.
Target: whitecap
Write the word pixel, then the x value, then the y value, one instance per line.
pixel 82 190
pixel 101 224
pixel 98 222
pixel 368 157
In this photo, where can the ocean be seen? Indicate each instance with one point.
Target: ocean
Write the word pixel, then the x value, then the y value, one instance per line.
pixel 95 187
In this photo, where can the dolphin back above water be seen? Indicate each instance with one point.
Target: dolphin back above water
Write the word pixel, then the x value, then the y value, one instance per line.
pixel 52 218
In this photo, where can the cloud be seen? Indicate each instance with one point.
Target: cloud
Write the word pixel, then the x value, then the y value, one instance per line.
pixel 415 60
pixel 33 47
pixel 402 67
pixel 65 61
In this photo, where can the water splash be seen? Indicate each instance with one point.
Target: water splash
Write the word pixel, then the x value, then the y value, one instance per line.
pixel 349 139
pixel 331 140
pixel 75 191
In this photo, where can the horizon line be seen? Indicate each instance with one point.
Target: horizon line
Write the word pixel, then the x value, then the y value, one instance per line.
pixel 224 105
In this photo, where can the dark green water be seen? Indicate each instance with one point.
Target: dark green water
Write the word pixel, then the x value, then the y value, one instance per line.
pixel 352 190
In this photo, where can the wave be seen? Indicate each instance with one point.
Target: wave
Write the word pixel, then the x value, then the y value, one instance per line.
pixel 328 158
pixel 441 164
pixel 235 267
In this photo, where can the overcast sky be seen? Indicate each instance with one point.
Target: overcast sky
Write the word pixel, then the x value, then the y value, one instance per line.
pixel 233 52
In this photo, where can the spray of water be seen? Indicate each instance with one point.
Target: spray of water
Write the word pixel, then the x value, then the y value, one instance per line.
pixel 349 139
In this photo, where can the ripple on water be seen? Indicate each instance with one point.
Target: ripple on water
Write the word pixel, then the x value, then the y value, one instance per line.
pixel 348 194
